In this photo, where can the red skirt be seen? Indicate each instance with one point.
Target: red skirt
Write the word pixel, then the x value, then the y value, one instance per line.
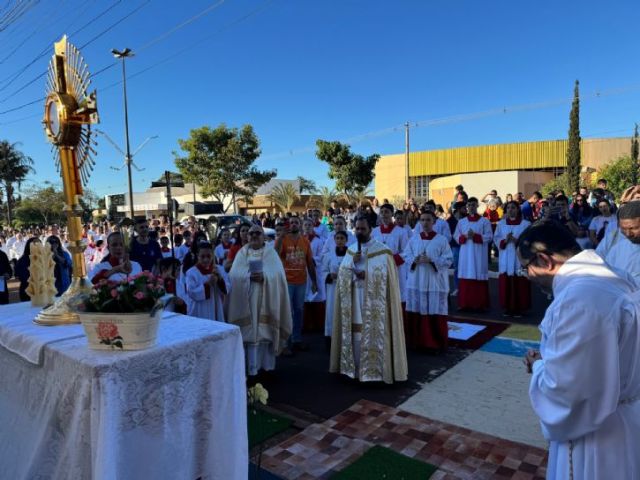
pixel 514 293
pixel 473 294
pixel 426 331
pixel 313 317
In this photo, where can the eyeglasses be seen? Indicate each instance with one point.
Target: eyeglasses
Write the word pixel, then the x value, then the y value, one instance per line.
pixel 524 270
pixel 255 234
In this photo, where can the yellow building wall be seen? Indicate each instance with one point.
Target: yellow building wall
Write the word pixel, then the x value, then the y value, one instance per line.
pixel 507 156
pixel 454 166
pixel 391 177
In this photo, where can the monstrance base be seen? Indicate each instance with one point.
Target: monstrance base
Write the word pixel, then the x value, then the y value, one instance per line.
pixel 60 312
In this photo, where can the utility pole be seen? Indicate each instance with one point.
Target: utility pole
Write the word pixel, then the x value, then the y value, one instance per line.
pixel 123 55
pixel 406 157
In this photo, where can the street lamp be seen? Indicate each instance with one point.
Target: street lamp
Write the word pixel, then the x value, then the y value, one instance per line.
pixel 123 55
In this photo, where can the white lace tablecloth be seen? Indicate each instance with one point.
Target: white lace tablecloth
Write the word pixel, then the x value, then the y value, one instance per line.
pixel 175 411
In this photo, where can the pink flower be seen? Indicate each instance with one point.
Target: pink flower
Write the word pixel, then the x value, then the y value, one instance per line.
pixel 139 295
pixel 114 292
pixel 106 330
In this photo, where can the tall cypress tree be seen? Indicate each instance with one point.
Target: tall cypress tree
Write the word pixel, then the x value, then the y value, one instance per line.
pixel 573 150
pixel 635 150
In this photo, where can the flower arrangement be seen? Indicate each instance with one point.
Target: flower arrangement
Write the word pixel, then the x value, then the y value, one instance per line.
pixel 139 293
pixel 257 394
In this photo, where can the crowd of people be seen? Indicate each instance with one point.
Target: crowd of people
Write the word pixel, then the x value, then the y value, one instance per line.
pixel 376 279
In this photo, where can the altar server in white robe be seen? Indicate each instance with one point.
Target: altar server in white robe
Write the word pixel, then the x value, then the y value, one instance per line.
pixel 314 302
pixel 207 284
pixel 400 221
pixel 585 386
pixel 259 302
pixel 474 234
pixel 625 253
pixel 368 336
pixel 441 227
pixel 319 228
pixel 331 264
pixel 396 239
pixel 339 225
pixel 514 289
pixel 429 257
pixel 317 244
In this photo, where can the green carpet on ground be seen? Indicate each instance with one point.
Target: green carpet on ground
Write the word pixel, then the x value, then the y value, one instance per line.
pixel 383 463
pixel 522 332
pixel 263 425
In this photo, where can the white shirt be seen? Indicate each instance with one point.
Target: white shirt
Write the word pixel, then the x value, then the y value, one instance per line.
pixel 586 388
pixel 625 256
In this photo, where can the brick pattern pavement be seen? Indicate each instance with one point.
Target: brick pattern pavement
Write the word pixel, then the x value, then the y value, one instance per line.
pixel 325 448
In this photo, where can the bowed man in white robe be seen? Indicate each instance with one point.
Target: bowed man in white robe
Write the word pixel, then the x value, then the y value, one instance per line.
pixel 586 387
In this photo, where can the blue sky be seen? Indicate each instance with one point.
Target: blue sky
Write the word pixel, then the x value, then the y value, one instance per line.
pixel 300 70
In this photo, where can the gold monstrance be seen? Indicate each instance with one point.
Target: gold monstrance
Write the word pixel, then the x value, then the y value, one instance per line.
pixel 68 114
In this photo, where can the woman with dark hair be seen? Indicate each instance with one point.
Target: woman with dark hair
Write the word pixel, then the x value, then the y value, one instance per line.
pixel 22 269
pixel 63 268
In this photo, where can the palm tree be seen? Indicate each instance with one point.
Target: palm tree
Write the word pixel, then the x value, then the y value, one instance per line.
pixel 327 195
pixel 14 168
pixel 357 196
pixel 284 196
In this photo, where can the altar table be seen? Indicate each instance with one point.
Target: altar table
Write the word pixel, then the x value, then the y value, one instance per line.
pixel 174 411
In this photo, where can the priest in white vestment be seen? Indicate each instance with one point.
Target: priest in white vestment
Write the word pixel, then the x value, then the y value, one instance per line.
pixel 625 253
pixel 396 239
pixel 474 234
pixel 368 337
pixel 514 289
pixel 259 302
pixel 429 257
pixel 585 386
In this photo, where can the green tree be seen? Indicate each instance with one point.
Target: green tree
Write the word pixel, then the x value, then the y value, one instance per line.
pixel 284 195
pixel 618 174
pixel 221 162
pixel 561 182
pixel 14 168
pixel 89 202
pixel 307 185
pixel 573 150
pixel 635 150
pixel 41 205
pixel 326 195
pixel 352 172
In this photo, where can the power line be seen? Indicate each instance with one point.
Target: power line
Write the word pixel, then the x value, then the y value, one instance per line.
pixel 47 18
pixel 16 13
pixel 164 35
pixel 462 118
pixel 147 45
pixel 14 76
pixel 111 27
pixel 250 14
